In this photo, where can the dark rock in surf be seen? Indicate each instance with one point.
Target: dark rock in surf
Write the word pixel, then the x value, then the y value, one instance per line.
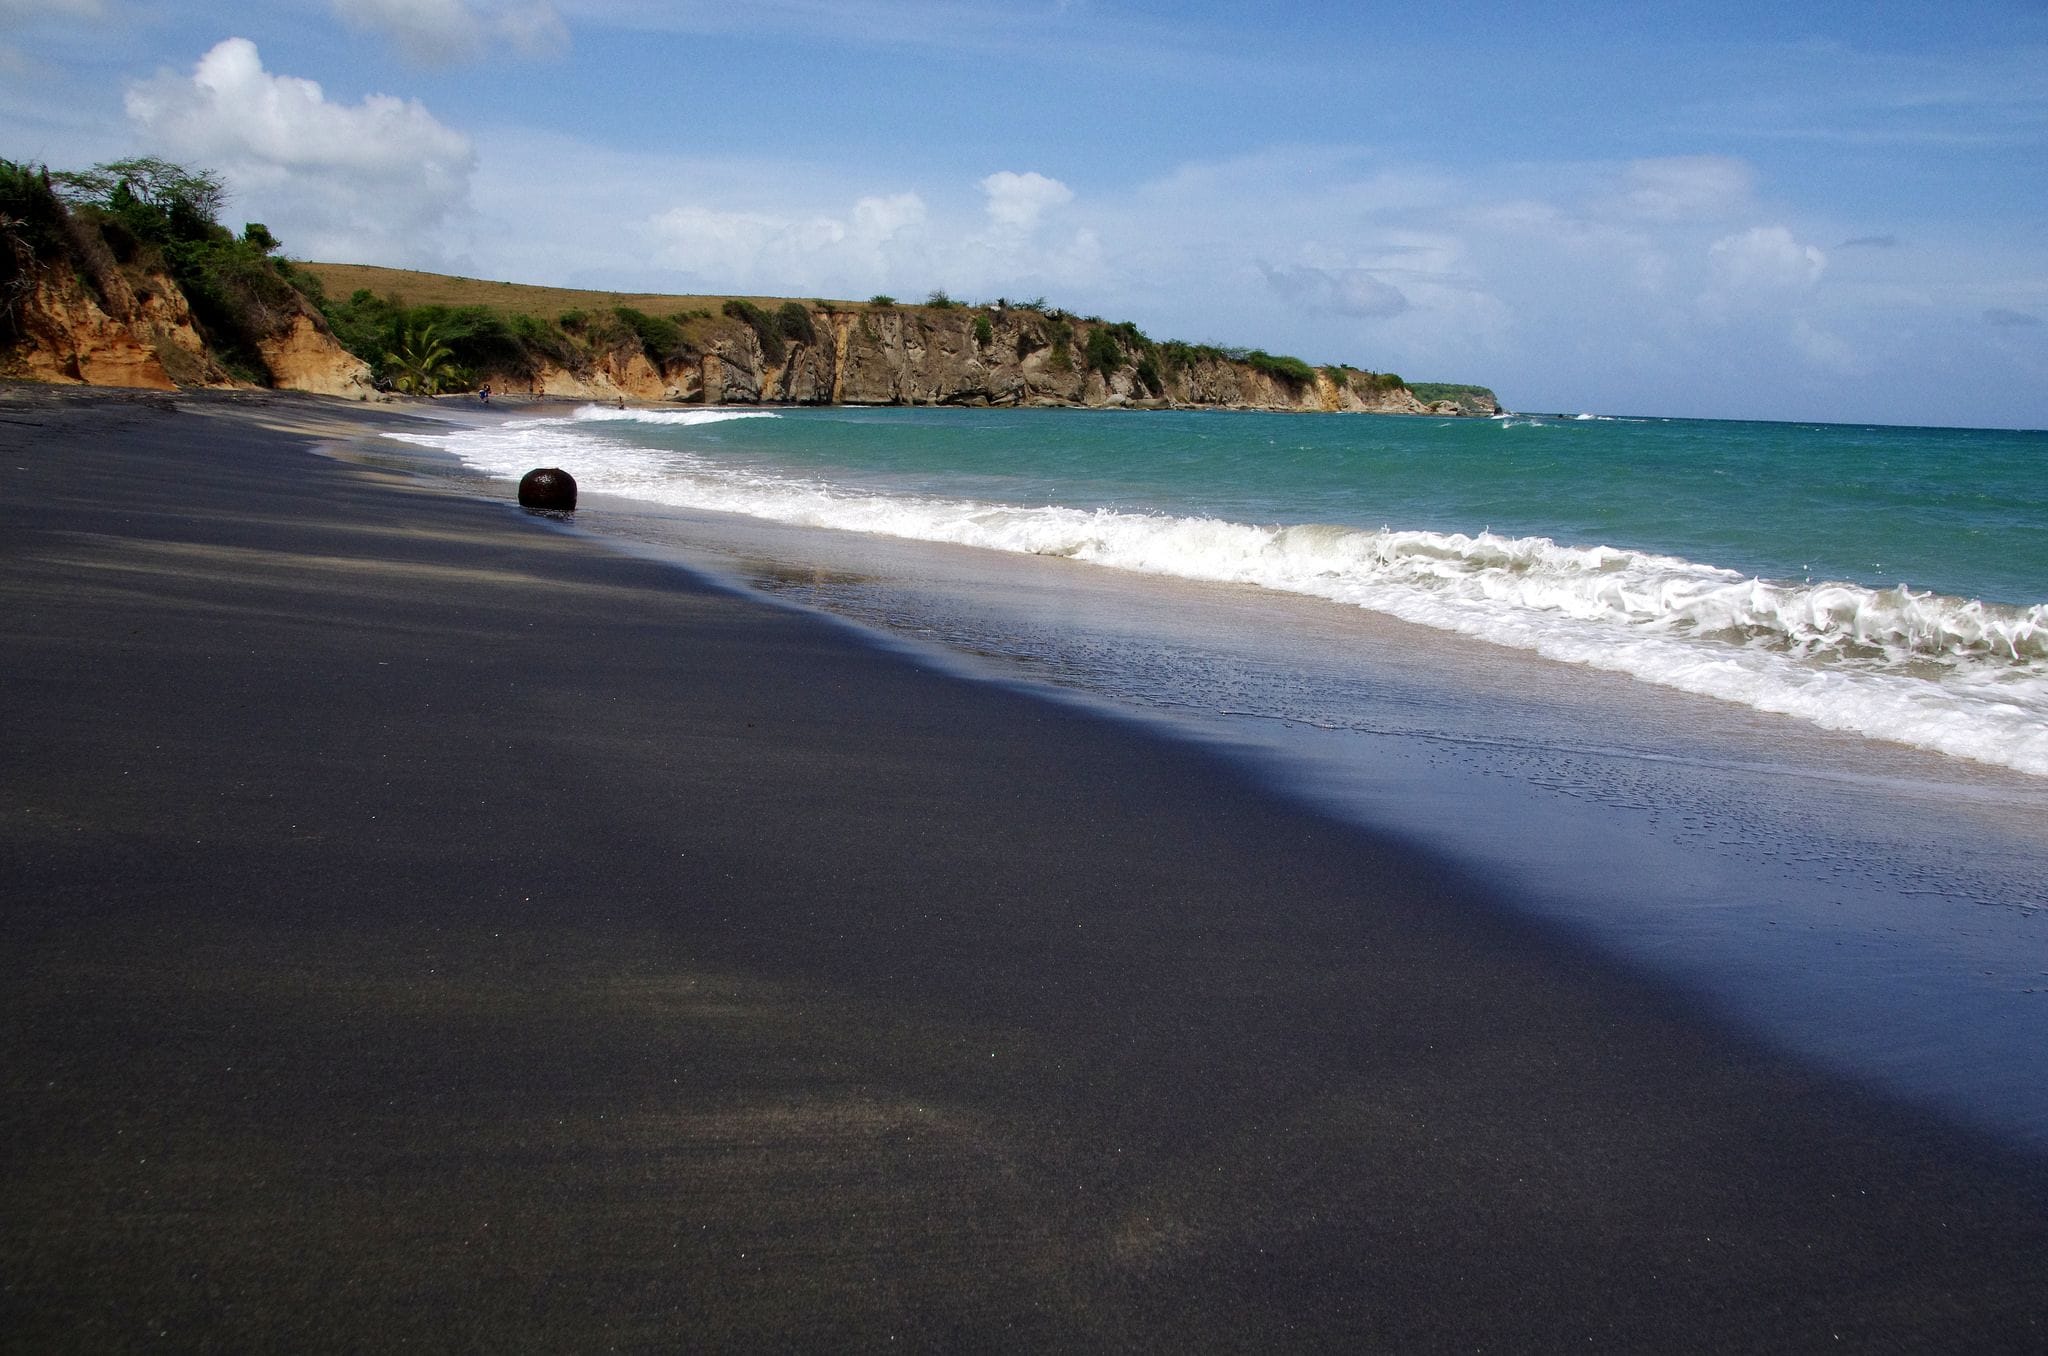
pixel 547 487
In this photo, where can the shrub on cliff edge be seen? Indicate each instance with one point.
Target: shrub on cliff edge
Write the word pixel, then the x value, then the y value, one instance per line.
pixel 1292 371
pixel 31 235
pixel 1102 353
pixel 152 213
pixel 764 326
pixel 1149 378
pixel 794 320
pixel 30 209
pixel 660 338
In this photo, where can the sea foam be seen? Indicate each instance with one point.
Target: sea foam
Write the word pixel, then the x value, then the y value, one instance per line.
pixel 1959 676
pixel 598 414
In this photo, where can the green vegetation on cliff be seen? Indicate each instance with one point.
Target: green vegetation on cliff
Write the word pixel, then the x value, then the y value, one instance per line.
pixel 661 339
pixel 124 226
pixel 422 364
pixel 31 239
pixel 148 216
pixel 1470 399
pixel 476 339
pixel 1293 371
pixel 679 329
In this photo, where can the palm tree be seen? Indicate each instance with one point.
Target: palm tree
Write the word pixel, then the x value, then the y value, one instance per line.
pixel 423 363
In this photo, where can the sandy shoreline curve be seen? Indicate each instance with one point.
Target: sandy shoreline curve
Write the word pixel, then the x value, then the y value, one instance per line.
pixel 422 928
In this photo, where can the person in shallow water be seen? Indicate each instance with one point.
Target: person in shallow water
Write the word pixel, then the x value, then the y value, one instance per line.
pixel 483 393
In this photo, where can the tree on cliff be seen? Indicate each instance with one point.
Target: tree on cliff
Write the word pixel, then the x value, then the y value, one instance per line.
pixel 154 198
pixel 31 236
pixel 149 214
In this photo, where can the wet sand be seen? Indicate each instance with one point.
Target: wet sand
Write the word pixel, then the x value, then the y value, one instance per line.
pixel 422 927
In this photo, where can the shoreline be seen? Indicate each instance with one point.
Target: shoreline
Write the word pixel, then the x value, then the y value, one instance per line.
pixel 555 950
pixel 1861 904
pixel 1943 670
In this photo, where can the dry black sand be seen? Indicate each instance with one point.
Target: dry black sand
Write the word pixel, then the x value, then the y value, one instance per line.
pixel 422 928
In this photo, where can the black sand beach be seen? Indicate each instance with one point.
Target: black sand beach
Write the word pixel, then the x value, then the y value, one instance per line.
pixel 422 928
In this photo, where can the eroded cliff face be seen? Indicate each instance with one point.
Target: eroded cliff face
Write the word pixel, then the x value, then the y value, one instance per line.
pixel 960 356
pixel 303 356
pixel 140 332
pixel 607 378
pixel 104 324
pixel 68 336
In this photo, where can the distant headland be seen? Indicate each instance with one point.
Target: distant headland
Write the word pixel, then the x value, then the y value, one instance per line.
pixel 122 276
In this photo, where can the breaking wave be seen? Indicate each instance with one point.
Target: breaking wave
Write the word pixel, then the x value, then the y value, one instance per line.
pixel 1960 676
pixel 598 414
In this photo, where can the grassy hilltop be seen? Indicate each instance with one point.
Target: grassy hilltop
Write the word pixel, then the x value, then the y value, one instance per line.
pixel 506 298
pixel 514 328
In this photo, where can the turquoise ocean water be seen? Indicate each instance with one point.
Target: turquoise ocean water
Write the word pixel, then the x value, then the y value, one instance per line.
pixel 1892 582
pixel 1758 709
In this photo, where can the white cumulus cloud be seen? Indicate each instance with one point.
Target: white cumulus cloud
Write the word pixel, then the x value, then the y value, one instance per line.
pixel 882 218
pixel 332 180
pixel 1020 247
pixel 890 242
pixel 435 32
pixel 1761 264
pixel 799 253
pixel 1017 201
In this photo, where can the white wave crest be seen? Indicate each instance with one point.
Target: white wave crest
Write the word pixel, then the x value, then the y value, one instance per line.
pixel 598 414
pixel 1958 676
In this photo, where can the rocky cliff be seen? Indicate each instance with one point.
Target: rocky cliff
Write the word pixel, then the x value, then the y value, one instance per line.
pixel 76 310
pixel 82 301
pixel 957 355
pixel 144 335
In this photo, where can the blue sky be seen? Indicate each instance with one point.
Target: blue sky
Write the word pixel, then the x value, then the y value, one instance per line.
pixel 1811 211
